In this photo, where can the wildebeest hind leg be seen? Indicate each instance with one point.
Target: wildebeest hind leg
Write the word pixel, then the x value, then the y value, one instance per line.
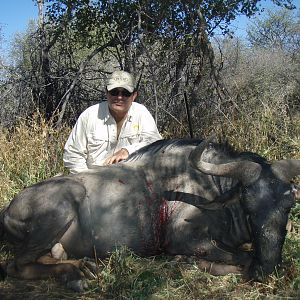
pixel 25 265
pixel 86 266
pixel 38 244
pixel 65 272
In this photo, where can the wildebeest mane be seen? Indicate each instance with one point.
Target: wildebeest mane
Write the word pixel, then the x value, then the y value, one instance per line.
pixel 161 146
pixel 173 144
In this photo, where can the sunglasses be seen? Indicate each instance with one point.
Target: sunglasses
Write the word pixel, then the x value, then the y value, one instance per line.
pixel 116 92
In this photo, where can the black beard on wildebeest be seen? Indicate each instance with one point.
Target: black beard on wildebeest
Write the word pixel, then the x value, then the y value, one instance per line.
pixel 189 197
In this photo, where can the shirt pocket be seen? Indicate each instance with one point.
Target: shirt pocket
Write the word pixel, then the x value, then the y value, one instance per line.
pixel 97 141
pixel 130 137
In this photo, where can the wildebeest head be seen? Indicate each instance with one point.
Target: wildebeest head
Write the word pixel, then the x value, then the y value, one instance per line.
pixel 266 196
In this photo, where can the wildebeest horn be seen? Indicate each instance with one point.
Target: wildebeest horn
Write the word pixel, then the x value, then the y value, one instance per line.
pixel 286 169
pixel 245 171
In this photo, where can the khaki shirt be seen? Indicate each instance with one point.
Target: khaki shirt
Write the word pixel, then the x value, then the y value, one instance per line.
pixel 94 136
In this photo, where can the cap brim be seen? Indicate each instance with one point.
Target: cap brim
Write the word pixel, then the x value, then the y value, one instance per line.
pixel 126 87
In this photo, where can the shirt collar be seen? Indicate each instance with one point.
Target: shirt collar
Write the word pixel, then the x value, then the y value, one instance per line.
pixel 105 115
pixel 103 111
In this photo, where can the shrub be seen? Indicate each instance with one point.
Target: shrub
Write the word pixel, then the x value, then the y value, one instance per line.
pixel 30 152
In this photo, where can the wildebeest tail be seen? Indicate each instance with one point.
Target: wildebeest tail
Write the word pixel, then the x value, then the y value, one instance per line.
pixel 3 273
pixel 1 224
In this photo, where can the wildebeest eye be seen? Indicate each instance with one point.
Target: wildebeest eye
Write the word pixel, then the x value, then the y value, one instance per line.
pixel 188 220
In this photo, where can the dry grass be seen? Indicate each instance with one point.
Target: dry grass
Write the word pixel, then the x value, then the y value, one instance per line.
pixel 33 152
pixel 273 138
pixel 126 276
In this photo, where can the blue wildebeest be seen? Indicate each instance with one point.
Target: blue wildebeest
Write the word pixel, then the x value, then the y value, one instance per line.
pixel 189 197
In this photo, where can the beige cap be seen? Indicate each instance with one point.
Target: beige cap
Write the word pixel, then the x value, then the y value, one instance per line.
pixel 121 79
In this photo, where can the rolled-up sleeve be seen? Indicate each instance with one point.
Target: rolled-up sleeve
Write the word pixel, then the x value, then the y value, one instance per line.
pixel 75 150
pixel 94 136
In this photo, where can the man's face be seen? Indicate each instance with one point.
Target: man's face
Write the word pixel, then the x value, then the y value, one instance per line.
pixel 120 100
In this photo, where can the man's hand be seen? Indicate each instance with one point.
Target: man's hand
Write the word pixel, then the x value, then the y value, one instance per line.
pixel 118 156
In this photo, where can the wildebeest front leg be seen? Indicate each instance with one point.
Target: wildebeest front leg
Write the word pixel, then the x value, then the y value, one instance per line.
pixel 213 268
pixel 218 269
pixel 213 250
pixel 213 257
pixel 215 260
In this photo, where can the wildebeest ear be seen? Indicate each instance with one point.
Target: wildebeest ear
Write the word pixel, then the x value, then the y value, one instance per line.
pixel 296 192
pixel 213 138
pixel 195 155
pixel 286 169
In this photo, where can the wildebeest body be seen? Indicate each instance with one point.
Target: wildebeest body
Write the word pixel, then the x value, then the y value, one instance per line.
pixel 175 197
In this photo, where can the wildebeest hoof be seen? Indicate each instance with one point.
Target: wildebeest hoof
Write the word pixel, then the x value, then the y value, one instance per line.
pixel 91 264
pixel 89 268
pixel 78 286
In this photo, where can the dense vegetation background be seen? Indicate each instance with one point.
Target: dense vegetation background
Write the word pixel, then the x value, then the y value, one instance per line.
pixel 187 63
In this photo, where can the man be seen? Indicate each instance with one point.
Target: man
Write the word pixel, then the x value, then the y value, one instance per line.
pixel 108 132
